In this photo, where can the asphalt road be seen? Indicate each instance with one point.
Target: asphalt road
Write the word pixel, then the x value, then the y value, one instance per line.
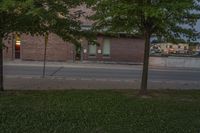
pixel 156 74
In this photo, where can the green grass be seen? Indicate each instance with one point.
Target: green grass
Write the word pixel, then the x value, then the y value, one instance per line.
pixel 99 112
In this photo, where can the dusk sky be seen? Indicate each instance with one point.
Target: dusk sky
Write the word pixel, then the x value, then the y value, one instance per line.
pixel 198 26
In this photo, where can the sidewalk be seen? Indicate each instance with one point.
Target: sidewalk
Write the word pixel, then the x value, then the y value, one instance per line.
pixel 76 64
pixel 92 84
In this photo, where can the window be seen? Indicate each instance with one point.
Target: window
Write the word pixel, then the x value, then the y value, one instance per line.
pixel 106 47
pixel 92 50
pixel 170 46
pixel 179 46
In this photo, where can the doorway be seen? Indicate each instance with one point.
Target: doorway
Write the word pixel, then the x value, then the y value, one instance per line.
pixel 17 47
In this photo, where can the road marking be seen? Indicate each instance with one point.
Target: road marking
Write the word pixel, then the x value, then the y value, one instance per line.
pixel 102 80
pixel 86 79
pixel 175 81
pixel 25 77
pixel 73 79
pixel 132 81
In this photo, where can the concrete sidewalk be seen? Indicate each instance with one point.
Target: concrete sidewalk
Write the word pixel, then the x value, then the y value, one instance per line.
pixel 76 64
pixel 55 83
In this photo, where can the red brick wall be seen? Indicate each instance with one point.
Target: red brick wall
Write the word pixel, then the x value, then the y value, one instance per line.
pixel 57 50
pixel 126 49
pixel 122 50
pixel 8 50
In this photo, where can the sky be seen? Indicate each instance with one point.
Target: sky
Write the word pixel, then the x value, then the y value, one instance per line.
pixel 198 26
pixel 198 29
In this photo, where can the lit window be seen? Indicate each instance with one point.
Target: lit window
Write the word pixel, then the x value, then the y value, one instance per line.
pixel 106 47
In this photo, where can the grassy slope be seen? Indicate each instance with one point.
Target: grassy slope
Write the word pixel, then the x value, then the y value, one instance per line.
pixel 99 112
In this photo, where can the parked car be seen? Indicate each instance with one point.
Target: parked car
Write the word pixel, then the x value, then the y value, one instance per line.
pixel 197 54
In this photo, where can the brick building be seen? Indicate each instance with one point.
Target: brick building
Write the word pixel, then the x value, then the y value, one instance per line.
pixel 112 49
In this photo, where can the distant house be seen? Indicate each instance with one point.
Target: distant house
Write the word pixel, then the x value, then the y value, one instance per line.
pixel 197 48
pixel 170 48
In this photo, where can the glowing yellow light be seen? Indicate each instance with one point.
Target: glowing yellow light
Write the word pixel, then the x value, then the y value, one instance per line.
pixel 18 42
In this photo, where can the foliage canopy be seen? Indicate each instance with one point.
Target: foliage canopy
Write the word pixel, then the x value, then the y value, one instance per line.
pixel 169 19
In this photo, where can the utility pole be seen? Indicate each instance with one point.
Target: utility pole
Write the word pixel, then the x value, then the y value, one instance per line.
pixel 45 54
pixel 13 46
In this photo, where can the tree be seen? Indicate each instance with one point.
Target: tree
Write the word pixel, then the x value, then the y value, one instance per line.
pixel 9 13
pixel 39 17
pixel 167 19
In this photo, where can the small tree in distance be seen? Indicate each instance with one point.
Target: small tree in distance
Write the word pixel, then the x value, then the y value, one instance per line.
pixel 163 18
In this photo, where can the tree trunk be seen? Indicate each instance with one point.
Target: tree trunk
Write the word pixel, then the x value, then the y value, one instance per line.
pixel 143 89
pixel 1 63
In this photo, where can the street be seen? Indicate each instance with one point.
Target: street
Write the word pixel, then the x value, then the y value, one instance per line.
pixel 23 77
pixel 114 73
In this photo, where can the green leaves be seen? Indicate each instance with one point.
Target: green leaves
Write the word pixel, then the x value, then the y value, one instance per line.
pixel 164 18
pixel 40 17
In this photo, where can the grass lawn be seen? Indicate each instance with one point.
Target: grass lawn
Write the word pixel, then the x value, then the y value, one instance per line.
pixel 99 112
